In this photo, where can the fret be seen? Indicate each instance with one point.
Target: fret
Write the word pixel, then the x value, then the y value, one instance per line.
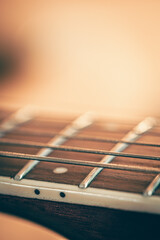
pixel 83 147
pixel 72 129
pixel 127 188
pixel 21 116
pixel 152 186
pixel 133 135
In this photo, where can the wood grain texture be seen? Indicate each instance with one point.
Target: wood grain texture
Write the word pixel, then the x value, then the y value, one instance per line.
pixel 107 179
pixel 78 221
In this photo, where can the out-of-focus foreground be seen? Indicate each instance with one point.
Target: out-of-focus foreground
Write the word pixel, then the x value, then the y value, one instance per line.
pixel 16 228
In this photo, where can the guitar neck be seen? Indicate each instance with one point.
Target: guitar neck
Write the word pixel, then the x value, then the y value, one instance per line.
pixel 54 183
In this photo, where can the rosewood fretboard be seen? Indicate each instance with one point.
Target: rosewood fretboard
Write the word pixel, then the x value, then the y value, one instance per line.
pixel 101 135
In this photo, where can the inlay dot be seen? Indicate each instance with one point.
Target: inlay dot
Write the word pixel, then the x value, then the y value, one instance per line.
pixel 36 191
pixel 62 194
pixel 60 170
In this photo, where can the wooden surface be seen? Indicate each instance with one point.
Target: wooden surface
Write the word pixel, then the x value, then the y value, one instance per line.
pixel 107 179
pixel 77 221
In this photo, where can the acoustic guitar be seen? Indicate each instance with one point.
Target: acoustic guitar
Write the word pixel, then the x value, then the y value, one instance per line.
pixel 84 177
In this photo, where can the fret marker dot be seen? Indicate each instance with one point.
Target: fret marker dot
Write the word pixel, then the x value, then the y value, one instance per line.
pixel 36 191
pixel 62 194
pixel 60 170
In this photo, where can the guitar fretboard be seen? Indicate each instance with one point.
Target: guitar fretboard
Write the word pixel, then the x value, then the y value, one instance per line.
pixel 89 145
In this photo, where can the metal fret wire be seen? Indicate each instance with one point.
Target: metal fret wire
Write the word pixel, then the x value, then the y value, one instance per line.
pixel 152 186
pixel 79 162
pixel 76 149
pixel 17 118
pixel 142 127
pixel 83 137
pixel 71 129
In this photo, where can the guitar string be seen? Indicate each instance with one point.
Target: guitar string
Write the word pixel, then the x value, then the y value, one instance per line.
pixel 83 137
pixel 114 166
pixel 144 144
pixel 133 134
pixel 71 129
pixel 77 149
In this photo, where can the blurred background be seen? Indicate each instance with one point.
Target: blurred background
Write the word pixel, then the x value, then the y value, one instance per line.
pixel 73 56
pixel 69 55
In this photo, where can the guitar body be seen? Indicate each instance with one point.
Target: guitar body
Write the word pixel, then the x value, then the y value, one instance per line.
pixel 112 207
